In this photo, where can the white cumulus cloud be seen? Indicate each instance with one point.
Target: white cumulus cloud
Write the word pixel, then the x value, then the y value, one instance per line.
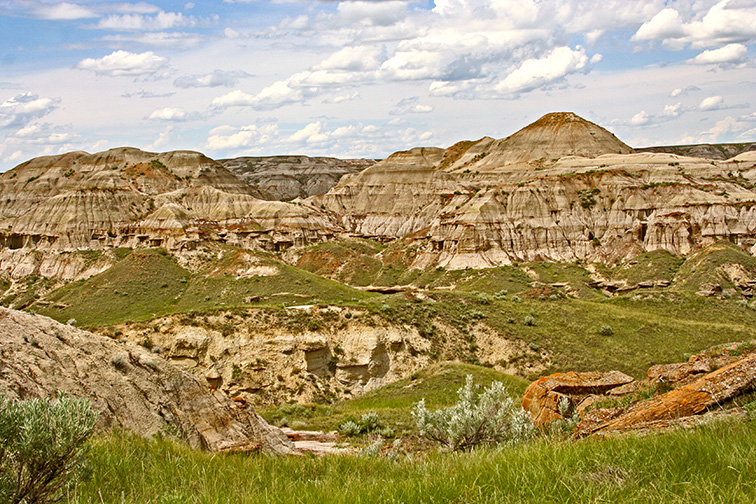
pixel 666 24
pixel 24 108
pixel 535 73
pixel 168 114
pixel 124 63
pixel 711 103
pixel 729 54
pixel 229 138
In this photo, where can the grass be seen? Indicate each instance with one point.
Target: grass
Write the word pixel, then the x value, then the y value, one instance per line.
pixel 148 283
pixel 703 266
pixel 650 266
pixel 658 329
pixel 712 464
pixel 437 384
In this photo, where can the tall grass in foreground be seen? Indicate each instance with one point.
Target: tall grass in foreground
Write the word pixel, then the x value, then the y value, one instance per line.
pixel 714 464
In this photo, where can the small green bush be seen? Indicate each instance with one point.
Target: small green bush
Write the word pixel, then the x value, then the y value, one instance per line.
pixel 529 320
pixel 42 447
pixel 606 330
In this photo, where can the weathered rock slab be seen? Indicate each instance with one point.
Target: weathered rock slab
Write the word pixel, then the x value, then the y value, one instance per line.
pixel 131 387
pixel 543 397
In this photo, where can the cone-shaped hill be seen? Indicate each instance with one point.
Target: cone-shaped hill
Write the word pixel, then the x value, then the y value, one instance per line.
pixel 545 141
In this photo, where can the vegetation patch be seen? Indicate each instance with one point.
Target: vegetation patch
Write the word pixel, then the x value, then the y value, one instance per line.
pixel 708 465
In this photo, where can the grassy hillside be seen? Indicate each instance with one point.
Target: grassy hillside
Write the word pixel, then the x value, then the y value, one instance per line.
pixel 149 283
pixel 705 266
pixel 709 465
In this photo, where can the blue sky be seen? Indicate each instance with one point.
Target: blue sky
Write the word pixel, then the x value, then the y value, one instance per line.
pixel 366 78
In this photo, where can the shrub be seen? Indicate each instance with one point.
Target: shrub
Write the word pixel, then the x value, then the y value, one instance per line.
pixel 483 298
pixel 476 419
pixel 350 428
pixel 370 422
pixel 606 330
pixel 42 447
pixel 529 320
pixel 516 299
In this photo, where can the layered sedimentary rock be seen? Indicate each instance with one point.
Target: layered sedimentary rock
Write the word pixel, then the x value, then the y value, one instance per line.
pixel 131 387
pixel 288 177
pixel 708 151
pixel 561 189
pixel 127 197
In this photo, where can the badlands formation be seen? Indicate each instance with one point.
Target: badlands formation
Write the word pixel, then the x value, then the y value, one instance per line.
pixel 560 189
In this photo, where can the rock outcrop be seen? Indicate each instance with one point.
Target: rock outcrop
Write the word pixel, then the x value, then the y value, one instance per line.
pixel 556 396
pixel 288 177
pixel 708 151
pixel 129 198
pixel 131 387
pixel 314 354
pixel 710 390
pixel 561 189
pixel 701 388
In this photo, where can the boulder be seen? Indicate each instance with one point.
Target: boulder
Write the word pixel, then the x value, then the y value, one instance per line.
pixel 712 389
pixel 676 373
pixel 130 386
pixel 543 397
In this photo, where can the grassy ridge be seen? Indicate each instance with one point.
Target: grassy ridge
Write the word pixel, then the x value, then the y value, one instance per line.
pixel 149 283
pixel 659 329
pixel 712 464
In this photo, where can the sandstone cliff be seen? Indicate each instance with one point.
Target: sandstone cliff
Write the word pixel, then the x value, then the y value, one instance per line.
pixel 131 387
pixel 561 189
pixel 289 177
pixel 115 199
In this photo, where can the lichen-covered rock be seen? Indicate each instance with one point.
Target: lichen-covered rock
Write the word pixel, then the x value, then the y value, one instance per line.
pixel 555 397
pixel 712 389
pixel 131 387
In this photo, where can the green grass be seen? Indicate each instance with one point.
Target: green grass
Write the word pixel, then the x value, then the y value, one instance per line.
pixel 712 464
pixel 437 384
pixel 148 283
pixel 656 265
pixel 4 285
pixel 659 329
pixel 702 266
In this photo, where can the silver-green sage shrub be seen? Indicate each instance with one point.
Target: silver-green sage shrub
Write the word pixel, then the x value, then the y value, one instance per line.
pixel 42 447
pixel 488 418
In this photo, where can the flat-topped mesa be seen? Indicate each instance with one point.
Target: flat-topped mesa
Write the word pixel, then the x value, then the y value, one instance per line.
pixel 288 177
pixel 543 142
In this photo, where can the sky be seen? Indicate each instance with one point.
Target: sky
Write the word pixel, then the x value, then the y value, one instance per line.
pixel 366 78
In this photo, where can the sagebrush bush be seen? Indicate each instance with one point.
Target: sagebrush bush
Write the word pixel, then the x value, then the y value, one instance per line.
pixel 606 330
pixel 350 428
pixel 476 419
pixel 42 447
